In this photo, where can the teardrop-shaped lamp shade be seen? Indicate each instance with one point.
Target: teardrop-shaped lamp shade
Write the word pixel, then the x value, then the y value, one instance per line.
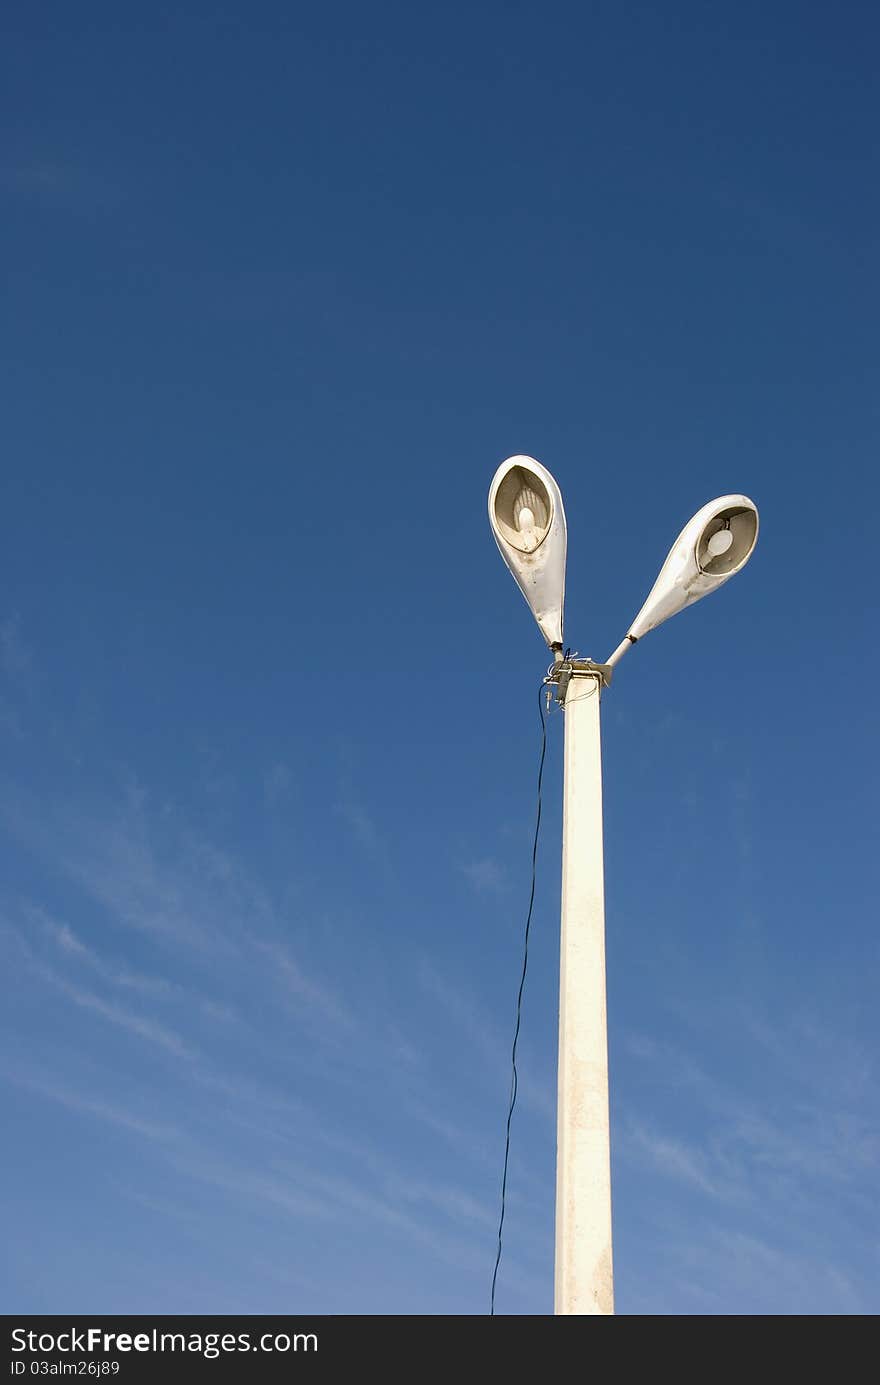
pixel 711 547
pixel 528 522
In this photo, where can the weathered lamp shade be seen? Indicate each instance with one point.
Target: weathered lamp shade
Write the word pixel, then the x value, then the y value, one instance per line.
pixel 711 547
pixel 528 521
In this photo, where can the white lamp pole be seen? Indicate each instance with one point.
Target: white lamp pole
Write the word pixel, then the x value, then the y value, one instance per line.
pixel 584 1281
pixel 528 521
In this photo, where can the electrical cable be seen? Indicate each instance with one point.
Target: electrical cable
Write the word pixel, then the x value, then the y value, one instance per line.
pixel 514 1080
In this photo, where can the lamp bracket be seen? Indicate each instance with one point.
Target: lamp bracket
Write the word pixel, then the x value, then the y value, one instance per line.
pixel 560 674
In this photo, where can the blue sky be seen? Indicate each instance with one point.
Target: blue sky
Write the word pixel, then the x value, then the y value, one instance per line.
pixel 283 287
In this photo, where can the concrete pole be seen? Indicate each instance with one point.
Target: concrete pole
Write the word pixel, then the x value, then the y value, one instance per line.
pixel 584 1278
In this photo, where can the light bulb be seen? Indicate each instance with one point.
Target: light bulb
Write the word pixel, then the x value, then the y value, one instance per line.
pixel 527 507
pixel 719 543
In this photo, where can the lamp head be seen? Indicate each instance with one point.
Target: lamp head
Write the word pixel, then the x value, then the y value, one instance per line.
pixel 528 521
pixel 711 547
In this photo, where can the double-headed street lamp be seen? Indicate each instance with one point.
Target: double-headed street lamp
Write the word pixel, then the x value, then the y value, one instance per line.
pixel 528 521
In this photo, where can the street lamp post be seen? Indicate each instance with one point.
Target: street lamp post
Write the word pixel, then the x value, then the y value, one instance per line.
pixel 528 521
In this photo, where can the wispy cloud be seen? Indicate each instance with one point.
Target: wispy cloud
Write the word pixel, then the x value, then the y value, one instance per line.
pixel 148 872
pixel 454 1203
pixel 71 946
pixel 276 782
pixel 462 1140
pixel 779 1279
pixel 309 995
pixel 147 1029
pixel 673 1158
pixel 15 657
pixel 363 826
pixel 153 874
pixel 471 1020
pixel 817 1133
pixel 86 1105
pixel 368 835
pixel 486 875
pixel 143 1026
pixel 59 184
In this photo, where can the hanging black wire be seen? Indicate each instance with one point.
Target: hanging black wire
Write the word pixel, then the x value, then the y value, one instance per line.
pixel 513 1081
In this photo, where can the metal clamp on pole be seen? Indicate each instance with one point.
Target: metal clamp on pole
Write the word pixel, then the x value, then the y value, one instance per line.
pixel 560 674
